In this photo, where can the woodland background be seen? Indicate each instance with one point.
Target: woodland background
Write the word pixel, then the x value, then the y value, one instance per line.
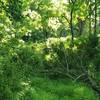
pixel 49 50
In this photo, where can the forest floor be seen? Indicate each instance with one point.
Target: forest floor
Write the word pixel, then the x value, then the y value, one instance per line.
pixel 40 88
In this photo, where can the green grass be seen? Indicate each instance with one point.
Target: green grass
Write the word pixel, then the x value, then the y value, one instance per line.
pixel 46 89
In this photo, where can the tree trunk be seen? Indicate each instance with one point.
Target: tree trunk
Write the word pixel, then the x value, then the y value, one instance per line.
pixel 90 17
pixel 71 20
pixel 95 12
